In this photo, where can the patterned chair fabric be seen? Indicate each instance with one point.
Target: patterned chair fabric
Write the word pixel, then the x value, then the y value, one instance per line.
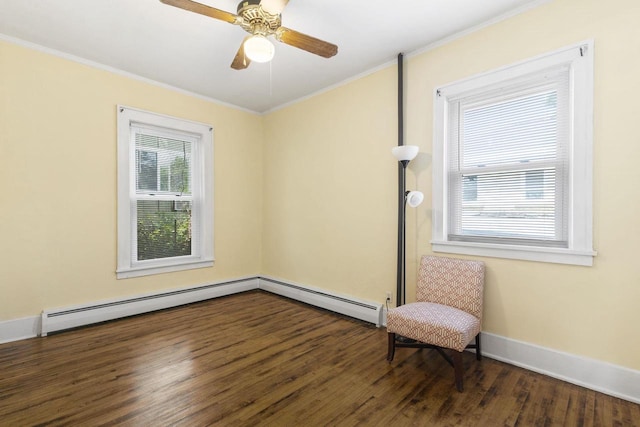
pixel 452 282
pixel 434 324
pixel 447 313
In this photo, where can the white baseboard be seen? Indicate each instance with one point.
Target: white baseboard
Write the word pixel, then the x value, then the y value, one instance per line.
pixel 19 329
pixel 593 374
pixel 359 309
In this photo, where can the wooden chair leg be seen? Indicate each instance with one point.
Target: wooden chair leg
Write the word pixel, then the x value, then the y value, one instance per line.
pixel 392 346
pixel 458 368
pixel 478 353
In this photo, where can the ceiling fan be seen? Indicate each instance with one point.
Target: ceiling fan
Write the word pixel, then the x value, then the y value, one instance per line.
pixel 261 19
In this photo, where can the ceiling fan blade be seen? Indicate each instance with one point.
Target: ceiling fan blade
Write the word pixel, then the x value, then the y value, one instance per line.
pixel 305 42
pixel 273 7
pixel 203 9
pixel 240 62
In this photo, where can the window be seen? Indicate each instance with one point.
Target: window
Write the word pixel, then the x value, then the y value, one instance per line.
pixel 512 161
pixel 165 198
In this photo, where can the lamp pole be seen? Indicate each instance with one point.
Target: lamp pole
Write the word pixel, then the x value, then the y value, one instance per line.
pixel 402 174
pixel 402 234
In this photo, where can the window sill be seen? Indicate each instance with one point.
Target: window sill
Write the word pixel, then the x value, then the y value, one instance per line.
pixel 528 253
pixel 148 270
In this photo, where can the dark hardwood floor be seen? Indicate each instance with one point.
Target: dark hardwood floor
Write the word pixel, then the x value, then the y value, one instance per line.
pixel 259 359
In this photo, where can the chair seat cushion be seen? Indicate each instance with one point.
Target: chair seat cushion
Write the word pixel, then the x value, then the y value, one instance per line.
pixel 434 324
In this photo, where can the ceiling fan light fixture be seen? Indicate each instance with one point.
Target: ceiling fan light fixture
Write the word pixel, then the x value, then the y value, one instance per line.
pixel 259 49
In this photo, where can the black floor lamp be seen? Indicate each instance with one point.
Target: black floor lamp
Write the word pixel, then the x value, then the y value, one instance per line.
pixel 404 154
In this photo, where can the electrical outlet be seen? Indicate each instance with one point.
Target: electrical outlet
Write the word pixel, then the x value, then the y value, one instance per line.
pixel 389 297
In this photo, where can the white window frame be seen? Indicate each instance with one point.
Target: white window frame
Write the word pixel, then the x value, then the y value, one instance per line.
pixel 202 194
pixel 579 58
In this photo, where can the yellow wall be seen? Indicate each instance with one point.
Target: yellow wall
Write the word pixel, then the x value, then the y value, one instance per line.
pixel 58 175
pixel 328 190
pixel 308 193
pixel 330 184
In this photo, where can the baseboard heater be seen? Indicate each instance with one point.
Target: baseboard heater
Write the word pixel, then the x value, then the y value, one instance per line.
pixel 54 320
pixel 73 317
pixel 358 309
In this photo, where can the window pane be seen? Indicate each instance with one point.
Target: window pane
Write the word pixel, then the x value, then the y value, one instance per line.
pixel 470 188
pixel 147 170
pixel 179 174
pixel 503 206
pixel 163 229
pixel 508 168
pixel 163 164
pixel 535 184
pixel 519 130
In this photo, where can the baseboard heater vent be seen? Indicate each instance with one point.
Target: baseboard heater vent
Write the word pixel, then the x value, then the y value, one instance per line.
pixel 54 320
pixel 358 309
pixel 72 317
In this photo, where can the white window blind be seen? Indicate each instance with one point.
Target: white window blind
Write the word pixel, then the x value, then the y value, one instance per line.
pixel 508 163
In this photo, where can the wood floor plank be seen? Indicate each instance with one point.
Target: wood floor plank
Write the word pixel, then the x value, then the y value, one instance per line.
pixel 260 359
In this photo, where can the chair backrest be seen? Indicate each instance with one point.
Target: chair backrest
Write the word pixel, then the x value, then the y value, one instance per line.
pixel 454 282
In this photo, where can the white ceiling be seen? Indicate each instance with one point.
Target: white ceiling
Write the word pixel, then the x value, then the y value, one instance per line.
pixel 193 52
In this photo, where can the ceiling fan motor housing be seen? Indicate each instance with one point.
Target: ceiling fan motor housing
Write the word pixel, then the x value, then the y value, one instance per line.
pixel 256 20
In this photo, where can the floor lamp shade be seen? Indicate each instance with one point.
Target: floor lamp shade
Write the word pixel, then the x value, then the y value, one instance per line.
pixel 405 152
pixel 414 198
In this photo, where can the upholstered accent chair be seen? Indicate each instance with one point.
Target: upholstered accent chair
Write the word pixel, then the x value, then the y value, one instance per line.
pixel 447 314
